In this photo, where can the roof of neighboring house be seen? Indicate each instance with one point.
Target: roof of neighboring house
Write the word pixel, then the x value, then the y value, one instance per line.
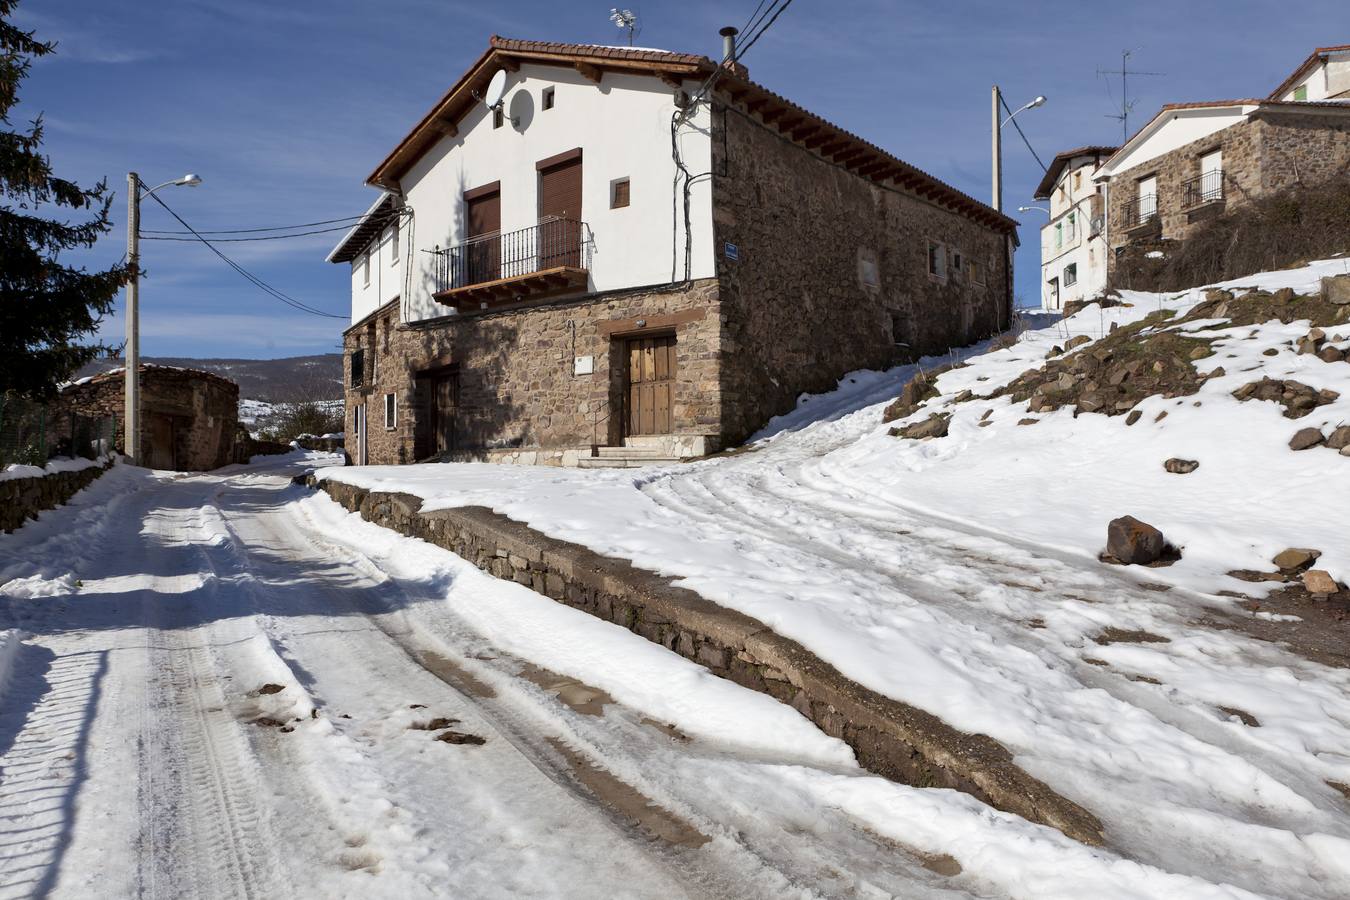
pixel 359 236
pixel 1303 68
pixel 1061 160
pixel 155 370
pixel 793 122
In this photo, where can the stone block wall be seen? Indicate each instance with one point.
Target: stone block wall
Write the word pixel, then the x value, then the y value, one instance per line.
pixel 1302 149
pixel 203 407
pixel 832 272
pixel 22 499
pixel 518 391
pixel 890 738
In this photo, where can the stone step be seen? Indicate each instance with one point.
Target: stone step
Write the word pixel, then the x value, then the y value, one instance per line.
pixel 624 462
pixel 635 452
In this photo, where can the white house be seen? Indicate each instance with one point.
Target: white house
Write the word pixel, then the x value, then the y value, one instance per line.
pixel 1073 250
pixel 1324 75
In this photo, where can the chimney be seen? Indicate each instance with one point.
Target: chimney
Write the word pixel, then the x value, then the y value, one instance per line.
pixel 728 44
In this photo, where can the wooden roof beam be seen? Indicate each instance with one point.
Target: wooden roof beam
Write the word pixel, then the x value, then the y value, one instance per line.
pixel 805 131
pixel 590 72
pixel 509 63
pixel 847 153
pixel 787 123
pixel 671 79
pixel 772 113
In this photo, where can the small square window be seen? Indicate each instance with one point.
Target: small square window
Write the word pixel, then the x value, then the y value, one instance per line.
pixel 618 193
pixel 390 410
pixel 958 265
pixel 498 117
pixel 1301 92
pixel 976 273
pixel 547 102
pixel 1070 274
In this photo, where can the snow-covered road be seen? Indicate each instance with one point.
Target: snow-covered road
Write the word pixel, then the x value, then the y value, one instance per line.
pixel 223 686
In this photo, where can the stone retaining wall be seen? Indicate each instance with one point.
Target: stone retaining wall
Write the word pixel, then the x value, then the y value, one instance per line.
pixel 890 738
pixel 22 499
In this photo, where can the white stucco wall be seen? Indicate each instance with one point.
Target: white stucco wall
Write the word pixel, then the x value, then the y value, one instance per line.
pixel 386 275
pixel 1072 195
pixel 1329 79
pixel 622 126
pixel 1176 129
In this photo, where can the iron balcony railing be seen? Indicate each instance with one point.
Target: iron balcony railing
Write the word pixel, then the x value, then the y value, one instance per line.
pixel 1139 211
pixel 1204 188
pixel 512 254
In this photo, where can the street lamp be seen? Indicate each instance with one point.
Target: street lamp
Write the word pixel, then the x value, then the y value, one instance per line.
pixel 1030 208
pixel 998 123
pixel 131 427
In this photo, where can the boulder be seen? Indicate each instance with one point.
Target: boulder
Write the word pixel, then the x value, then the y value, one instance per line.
pixel 1283 295
pixel 1305 438
pixel 1339 438
pixel 1133 542
pixel 1178 466
pixel 1076 341
pixel 1319 581
pixel 1331 355
pixel 1217 295
pixel 934 426
pixel 1336 289
pixel 1295 559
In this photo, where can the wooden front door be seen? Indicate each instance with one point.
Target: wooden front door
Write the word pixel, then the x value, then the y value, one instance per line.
pixel 651 385
pixel 482 258
pixel 160 455
pixel 560 214
pixel 444 401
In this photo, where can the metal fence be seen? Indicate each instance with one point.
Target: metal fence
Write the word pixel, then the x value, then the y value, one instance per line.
pixel 32 433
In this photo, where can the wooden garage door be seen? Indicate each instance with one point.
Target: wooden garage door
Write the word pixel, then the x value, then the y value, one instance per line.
pixel 651 385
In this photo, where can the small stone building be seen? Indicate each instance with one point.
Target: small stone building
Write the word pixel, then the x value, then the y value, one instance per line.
pixel 1195 161
pixel 638 254
pixel 189 418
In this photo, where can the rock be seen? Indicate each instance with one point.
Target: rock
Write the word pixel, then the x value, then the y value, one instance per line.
pixel 1305 438
pixel 1340 438
pixel 1076 341
pixel 1133 542
pixel 1178 466
pixel 1336 289
pixel 1283 295
pixel 1201 352
pixel 1331 355
pixel 1091 403
pixel 1217 295
pixel 1345 451
pixel 1133 417
pixel 1317 335
pixel 1319 581
pixel 934 426
pixel 1027 421
pixel 1295 559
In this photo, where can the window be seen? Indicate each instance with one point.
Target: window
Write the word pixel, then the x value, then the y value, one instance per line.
pixel 1072 229
pixel 498 117
pixel 1077 180
pixel 387 326
pixel 358 368
pixel 618 193
pixel 390 410
pixel 393 246
pixel 547 102
pixel 1148 198
pixel 1301 92
pixel 1059 235
pixel 937 260
pixel 976 273
pixel 1070 274
pixel 365 269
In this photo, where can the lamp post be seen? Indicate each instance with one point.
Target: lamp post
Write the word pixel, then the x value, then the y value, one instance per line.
pixel 131 427
pixel 1030 208
pixel 998 141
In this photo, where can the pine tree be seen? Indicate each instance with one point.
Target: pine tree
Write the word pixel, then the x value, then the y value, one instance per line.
pixel 46 308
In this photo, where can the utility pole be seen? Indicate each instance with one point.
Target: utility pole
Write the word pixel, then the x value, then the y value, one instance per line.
pixel 131 426
pixel 998 151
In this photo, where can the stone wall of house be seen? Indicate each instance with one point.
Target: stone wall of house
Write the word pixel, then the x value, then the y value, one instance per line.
pixel 832 273
pixel 204 408
pixel 23 498
pixel 1262 155
pixel 518 391
pixel 1302 149
pixel 1240 144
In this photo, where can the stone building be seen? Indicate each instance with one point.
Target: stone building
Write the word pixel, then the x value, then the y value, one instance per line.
pixel 1194 161
pixel 189 418
pixel 634 255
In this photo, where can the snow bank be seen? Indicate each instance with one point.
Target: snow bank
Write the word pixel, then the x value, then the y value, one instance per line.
pixel 9 648
pixel 60 464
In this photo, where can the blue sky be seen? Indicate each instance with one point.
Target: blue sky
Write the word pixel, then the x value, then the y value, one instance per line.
pixel 283 108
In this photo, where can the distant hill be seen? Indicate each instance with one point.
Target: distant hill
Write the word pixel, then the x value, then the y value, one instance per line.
pixel 273 380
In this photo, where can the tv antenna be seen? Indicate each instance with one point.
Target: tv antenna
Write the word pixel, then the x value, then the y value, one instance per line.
pixel 625 18
pixel 1126 104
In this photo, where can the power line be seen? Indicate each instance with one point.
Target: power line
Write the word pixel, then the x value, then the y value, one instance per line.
pixel 270 228
pixel 249 276
pixel 154 236
pixel 1020 132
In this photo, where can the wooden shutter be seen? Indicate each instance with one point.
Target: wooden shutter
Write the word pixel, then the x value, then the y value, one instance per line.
pixel 484 209
pixel 560 188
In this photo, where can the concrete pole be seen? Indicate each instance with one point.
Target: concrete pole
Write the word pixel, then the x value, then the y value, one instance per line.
pixel 131 426
pixel 998 154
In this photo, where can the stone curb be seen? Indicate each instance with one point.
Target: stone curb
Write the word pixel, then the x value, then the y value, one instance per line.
pixel 22 499
pixel 890 738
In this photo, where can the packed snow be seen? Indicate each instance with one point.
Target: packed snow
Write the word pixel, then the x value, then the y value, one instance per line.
pixel 961 575
pixel 51 467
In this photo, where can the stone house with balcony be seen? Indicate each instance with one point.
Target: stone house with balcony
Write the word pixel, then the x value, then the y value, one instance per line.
pixel 640 255
pixel 1193 161
pixel 1073 249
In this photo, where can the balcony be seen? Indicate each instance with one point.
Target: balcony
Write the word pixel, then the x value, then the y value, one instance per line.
pixel 544 260
pixel 1140 215
pixel 1202 189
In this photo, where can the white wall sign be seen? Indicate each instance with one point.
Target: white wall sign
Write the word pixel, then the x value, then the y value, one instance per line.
pixel 583 365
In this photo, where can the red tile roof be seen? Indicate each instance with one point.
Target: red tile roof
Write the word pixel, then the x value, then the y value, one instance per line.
pixel 1061 160
pixel 1303 67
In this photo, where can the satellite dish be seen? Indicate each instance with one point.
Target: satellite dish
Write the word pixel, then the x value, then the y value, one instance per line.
pixel 496 90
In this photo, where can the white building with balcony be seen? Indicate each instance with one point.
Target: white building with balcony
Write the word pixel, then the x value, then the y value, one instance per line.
pixel 1073 250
